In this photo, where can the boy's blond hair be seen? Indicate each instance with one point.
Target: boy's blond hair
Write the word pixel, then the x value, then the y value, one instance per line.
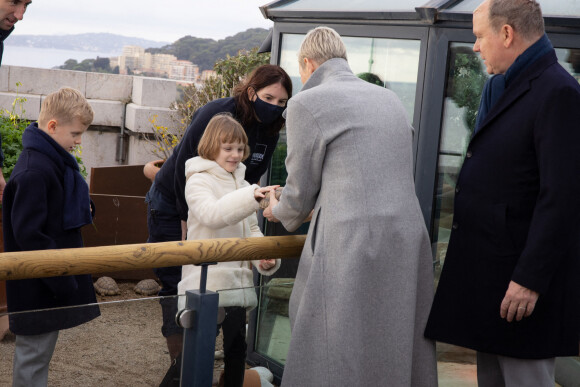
pixel 65 105
pixel 222 128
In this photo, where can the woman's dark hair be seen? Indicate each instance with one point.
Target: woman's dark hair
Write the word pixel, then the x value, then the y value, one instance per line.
pixel 261 77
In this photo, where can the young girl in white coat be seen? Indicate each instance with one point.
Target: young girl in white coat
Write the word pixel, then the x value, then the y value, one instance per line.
pixel 223 205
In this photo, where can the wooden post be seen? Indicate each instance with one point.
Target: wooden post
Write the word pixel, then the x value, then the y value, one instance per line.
pixel 93 260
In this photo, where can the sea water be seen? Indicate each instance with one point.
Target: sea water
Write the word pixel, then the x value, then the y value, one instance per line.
pixel 47 58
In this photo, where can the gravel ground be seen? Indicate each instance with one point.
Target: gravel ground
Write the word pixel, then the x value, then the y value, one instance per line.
pixel 122 347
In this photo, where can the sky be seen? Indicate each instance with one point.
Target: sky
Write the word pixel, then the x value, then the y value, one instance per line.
pixel 165 21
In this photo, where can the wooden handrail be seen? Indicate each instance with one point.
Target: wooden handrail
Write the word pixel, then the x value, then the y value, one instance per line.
pixel 93 260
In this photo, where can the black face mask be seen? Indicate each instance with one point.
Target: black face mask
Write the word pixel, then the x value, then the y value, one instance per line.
pixel 266 112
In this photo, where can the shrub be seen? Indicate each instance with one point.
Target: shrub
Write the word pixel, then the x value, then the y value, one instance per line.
pixel 12 126
pixel 11 129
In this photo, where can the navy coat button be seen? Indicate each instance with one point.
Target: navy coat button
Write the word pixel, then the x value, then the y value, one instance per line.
pixel 454 225
pixel 468 154
pixel 457 190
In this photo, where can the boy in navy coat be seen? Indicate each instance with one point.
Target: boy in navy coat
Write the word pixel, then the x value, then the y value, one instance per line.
pixel 45 204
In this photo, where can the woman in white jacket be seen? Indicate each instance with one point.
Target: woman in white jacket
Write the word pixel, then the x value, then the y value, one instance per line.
pixel 223 205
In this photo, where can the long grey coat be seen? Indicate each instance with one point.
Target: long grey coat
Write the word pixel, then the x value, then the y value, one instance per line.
pixel 364 285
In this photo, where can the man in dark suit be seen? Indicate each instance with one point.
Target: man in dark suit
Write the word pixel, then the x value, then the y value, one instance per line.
pixel 509 285
pixel 11 11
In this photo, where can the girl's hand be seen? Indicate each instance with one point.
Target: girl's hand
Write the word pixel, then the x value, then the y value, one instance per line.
pixel 267 264
pixel 260 193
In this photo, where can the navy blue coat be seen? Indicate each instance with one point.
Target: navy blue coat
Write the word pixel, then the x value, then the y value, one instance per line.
pixel 32 215
pixel 517 217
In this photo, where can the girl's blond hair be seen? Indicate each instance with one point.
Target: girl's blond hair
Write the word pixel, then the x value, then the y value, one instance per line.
pixel 221 129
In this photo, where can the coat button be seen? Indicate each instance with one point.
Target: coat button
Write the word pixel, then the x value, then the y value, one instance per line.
pixel 468 154
pixel 454 225
pixel 457 190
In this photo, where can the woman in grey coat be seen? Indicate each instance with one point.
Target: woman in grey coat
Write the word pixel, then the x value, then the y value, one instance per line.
pixel 364 284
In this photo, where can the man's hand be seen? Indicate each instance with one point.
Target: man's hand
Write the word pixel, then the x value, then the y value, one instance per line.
pixel 519 302
pixel 268 210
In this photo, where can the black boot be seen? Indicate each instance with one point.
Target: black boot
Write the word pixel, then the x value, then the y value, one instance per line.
pixel 234 370
pixel 172 377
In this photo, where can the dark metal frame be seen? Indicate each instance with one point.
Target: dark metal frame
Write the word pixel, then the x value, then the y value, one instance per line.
pixel 432 114
pixel 414 32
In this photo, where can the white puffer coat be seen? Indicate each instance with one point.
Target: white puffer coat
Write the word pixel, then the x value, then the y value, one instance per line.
pixel 221 205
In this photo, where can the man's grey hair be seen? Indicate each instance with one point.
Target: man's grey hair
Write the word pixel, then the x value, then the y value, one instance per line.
pixel 320 45
pixel 524 16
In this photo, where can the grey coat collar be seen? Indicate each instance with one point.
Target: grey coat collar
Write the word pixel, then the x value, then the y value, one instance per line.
pixel 326 71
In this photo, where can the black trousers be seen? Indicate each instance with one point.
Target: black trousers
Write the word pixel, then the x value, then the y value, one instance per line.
pixel 164 225
pixel 234 330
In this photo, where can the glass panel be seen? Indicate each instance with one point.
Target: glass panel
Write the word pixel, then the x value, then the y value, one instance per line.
pixel 273 324
pixel 393 63
pixel 570 60
pixel 121 347
pixel 549 7
pixel 465 80
pixel 351 5
pixel 289 58
pixel 273 328
pixel 289 62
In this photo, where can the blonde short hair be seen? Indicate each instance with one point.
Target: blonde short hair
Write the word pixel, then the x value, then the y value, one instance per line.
pixel 221 129
pixel 65 105
pixel 320 45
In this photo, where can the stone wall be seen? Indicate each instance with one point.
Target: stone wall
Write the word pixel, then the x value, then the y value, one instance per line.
pixel 123 105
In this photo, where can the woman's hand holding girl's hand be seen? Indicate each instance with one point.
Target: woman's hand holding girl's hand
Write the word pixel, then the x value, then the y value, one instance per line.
pixel 268 211
pixel 267 264
pixel 260 192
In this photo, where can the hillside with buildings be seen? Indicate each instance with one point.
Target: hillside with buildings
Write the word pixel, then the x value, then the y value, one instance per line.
pixel 189 59
pixel 205 52
pixel 135 60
